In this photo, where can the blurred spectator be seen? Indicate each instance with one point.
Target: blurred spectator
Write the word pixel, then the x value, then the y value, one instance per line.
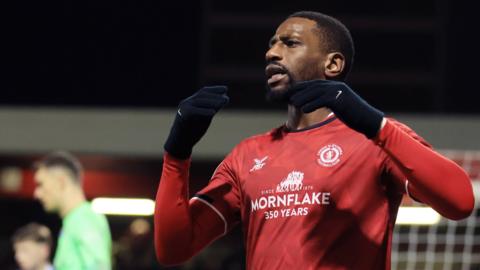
pixel 84 241
pixel 32 244
pixel 135 250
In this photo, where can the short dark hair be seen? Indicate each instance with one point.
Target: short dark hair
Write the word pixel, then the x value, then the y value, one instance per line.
pixel 335 36
pixel 64 160
pixel 34 232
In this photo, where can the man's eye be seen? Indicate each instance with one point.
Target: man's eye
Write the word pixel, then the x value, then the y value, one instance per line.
pixel 291 43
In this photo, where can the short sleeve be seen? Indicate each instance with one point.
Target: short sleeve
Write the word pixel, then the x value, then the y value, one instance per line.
pixel 90 250
pixel 92 241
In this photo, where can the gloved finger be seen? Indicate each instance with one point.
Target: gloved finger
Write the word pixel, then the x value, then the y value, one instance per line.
pixel 327 92
pixel 204 95
pixel 214 89
pixel 213 103
pixel 303 85
pixel 314 105
pixel 197 111
pixel 322 83
pixel 303 97
pixel 297 88
pixel 208 95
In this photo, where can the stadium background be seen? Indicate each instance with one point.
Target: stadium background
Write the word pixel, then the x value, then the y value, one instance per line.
pixel 103 78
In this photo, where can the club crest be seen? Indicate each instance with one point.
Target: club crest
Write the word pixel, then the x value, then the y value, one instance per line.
pixel 329 155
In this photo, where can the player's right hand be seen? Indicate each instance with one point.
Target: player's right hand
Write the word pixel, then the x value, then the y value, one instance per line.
pixel 193 118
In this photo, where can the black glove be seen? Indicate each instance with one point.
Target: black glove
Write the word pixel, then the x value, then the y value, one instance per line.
pixel 193 118
pixel 341 99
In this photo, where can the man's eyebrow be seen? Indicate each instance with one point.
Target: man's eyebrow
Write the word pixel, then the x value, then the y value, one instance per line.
pixel 272 40
pixel 277 38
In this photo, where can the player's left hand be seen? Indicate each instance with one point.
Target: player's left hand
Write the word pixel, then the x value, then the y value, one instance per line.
pixel 341 99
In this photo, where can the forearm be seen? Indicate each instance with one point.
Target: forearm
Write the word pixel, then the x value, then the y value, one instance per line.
pixel 182 228
pixel 433 179
pixel 173 225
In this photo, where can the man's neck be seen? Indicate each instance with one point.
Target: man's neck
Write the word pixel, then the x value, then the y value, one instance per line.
pixel 74 200
pixel 299 120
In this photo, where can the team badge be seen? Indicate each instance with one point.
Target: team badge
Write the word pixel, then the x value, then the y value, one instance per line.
pixel 329 155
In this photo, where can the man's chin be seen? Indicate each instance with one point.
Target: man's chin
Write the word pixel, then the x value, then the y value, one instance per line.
pixel 49 209
pixel 277 94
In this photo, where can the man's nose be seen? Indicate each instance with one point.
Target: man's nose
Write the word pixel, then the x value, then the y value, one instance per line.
pixel 273 54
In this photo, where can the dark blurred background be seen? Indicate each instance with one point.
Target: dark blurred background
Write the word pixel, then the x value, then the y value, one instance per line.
pixel 411 57
pixel 416 56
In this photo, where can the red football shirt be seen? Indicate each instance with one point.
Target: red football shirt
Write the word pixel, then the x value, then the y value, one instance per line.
pixel 321 198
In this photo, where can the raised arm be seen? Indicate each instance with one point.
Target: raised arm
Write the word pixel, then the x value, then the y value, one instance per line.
pixel 182 226
pixel 433 179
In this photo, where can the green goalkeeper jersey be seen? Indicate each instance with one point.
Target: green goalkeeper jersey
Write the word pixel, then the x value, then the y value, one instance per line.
pixel 84 242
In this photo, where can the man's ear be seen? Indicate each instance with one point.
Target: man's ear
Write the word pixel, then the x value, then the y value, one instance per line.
pixel 62 180
pixel 334 65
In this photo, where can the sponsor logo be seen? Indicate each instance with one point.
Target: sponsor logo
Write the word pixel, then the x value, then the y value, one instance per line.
pixel 293 182
pixel 289 198
pixel 329 155
pixel 258 164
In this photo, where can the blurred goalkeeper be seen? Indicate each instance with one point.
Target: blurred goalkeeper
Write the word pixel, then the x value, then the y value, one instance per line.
pixel 84 241
pixel 321 191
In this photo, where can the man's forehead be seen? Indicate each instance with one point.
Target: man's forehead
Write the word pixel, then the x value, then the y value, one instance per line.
pixel 44 173
pixel 295 26
pixel 39 174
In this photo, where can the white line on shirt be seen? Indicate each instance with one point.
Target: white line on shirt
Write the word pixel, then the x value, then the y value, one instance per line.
pixel 214 209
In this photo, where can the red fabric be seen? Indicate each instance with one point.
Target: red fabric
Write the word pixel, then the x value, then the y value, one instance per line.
pixel 323 198
pixel 182 228
pixel 433 179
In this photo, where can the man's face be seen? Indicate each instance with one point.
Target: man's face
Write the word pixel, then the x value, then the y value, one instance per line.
pixel 48 188
pixel 30 254
pixel 295 54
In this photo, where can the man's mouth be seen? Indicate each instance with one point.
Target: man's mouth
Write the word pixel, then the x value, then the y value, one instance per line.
pixel 275 74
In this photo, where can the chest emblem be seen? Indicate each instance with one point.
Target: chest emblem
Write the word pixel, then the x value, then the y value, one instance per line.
pixel 293 182
pixel 258 163
pixel 329 155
